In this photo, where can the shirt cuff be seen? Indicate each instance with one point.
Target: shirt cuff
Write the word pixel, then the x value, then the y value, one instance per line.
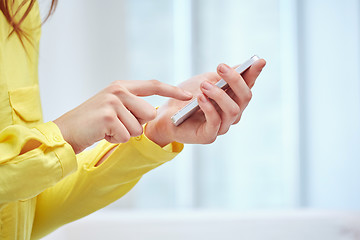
pixel 153 151
pixel 138 152
pixel 61 148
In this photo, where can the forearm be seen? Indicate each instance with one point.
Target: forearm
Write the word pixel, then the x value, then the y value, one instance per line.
pixel 93 187
pixel 26 169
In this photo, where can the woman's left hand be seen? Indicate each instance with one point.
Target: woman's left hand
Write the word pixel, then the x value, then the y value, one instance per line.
pixel 216 116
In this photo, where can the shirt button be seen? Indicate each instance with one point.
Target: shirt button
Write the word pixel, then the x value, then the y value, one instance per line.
pixel 57 139
pixel 138 138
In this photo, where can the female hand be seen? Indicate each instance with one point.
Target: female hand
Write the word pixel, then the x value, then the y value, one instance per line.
pixel 115 114
pixel 216 116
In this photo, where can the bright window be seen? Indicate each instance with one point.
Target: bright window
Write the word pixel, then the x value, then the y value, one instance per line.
pixel 297 142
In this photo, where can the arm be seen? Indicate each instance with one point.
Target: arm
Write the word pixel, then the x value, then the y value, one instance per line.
pixel 92 188
pixel 32 160
pixel 115 114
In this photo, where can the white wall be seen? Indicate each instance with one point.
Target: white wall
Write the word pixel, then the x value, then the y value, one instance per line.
pixel 330 77
pixel 80 53
pixel 297 144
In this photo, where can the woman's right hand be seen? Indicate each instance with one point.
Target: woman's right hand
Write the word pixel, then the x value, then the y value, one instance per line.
pixel 115 114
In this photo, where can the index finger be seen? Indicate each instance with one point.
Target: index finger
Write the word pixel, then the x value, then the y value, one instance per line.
pixel 154 87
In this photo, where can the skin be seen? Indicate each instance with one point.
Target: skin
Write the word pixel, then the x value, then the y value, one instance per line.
pixel 115 113
pixel 118 113
pixel 220 109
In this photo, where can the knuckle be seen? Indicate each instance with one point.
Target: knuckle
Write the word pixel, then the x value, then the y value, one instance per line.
pixel 209 137
pixel 156 85
pixel 154 82
pixel 222 132
pixel 122 136
pixel 116 88
pixel 248 95
pixel 232 79
pixel 210 140
pixel 121 83
pixel 153 114
pixel 236 121
pixel 217 92
pixel 234 111
pixel 116 82
pixel 137 131
pixel 108 117
pixel 111 100
pixel 125 138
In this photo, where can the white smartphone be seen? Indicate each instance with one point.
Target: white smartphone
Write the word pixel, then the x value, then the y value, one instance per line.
pixel 193 106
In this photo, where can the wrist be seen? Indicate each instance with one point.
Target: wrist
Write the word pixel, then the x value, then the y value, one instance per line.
pixel 157 134
pixel 66 136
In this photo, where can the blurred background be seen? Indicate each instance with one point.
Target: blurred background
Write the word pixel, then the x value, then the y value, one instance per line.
pixel 297 145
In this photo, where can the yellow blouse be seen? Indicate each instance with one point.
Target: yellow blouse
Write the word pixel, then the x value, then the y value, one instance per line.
pixel 47 187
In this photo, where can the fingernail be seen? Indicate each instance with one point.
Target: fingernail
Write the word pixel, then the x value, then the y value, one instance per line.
pixel 206 85
pixel 223 68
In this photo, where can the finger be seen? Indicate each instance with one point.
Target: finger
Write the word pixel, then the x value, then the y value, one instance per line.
pixel 236 99
pixel 253 72
pixel 209 130
pixel 142 110
pixel 155 87
pixel 240 102
pixel 229 109
pixel 237 120
pixel 142 121
pixel 237 85
pixel 129 121
pixel 116 133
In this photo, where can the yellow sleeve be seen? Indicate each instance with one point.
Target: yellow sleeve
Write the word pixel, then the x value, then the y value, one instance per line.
pixel 25 176
pixel 92 188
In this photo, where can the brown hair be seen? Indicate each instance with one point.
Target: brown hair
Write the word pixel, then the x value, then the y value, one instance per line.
pixel 6 7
